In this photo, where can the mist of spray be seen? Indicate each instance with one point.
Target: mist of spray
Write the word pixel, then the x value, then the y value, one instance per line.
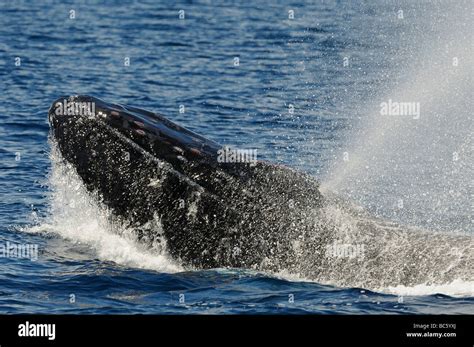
pixel 416 167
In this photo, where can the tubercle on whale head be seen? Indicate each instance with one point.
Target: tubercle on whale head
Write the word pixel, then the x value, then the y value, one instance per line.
pixel 86 127
pixel 153 132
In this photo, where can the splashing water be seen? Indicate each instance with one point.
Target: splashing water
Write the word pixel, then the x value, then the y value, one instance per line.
pixel 390 253
pixel 417 168
pixel 297 62
pixel 413 169
pixel 79 217
pixel 388 257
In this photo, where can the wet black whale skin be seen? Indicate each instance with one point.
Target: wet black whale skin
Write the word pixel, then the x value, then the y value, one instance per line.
pixel 167 184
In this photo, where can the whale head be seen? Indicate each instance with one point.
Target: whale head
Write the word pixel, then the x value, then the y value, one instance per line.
pixel 149 170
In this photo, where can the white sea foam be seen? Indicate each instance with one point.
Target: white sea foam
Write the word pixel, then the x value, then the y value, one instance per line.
pixel 455 288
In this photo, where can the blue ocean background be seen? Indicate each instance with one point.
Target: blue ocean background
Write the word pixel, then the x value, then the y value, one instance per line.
pixel 294 80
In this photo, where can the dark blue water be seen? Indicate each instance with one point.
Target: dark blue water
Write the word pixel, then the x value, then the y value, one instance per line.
pixel 239 70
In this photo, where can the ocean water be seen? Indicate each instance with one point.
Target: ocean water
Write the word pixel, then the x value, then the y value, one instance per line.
pixel 301 82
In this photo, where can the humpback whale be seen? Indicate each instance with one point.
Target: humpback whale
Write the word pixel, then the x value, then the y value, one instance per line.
pixel 146 168
pixel 168 184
